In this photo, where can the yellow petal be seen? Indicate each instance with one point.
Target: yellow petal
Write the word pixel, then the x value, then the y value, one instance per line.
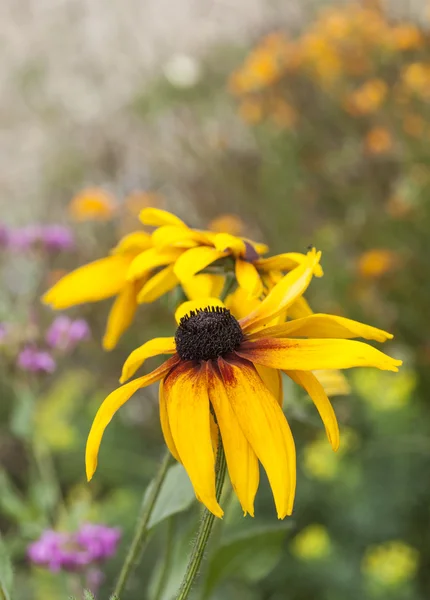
pixel 283 294
pixel 194 260
pixel 151 348
pixel 165 425
pixel 225 242
pixel 96 281
pixel 133 242
pixel 309 355
pixel 272 379
pixel 120 316
pixel 300 308
pixel 240 304
pixel 203 285
pixel 187 402
pixel 285 262
pixel 158 285
pixel 310 383
pixel 158 217
pixel 241 459
pixel 111 404
pixel 248 278
pixel 150 259
pixel 334 382
pixel 183 237
pixel 200 304
pixel 324 326
pixel 265 427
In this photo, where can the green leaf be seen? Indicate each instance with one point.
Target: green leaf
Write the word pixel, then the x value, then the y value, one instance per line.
pixel 6 573
pixel 249 555
pixel 88 595
pixel 11 503
pixel 176 495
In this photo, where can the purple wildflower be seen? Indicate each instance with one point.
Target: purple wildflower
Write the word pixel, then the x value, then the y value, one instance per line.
pixel 65 333
pixel 34 360
pixel 4 236
pixel 24 238
pixel 52 238
pixel 89 546
pixel 57 237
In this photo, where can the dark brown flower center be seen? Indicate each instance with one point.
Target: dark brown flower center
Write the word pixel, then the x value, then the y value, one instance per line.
pixel 208 333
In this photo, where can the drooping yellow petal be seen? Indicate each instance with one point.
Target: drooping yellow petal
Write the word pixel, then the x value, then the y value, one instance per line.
pixel 187 402
pixel 240 304
pixel 226 242
pixel 111 404
pixel 310 355
pixel 248 278
pixel 272 379
pixel 200 304
pixel 241 459
pixel 265 427
pixel 158 217
pixel 95 281
pixel 151 348
pixel 165 425
pixel 310 383
pixel 137 241
pixel 289 288
pixel 285 262
pixel 300 308
pixel 120 316
pixel 182 237
pixel 158 285
pixel 150 259
pixel 203 285
pixel 194 260
pixel 323 326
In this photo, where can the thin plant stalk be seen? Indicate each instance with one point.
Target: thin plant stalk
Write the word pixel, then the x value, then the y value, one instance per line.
pixel 141 531
pixel 204 531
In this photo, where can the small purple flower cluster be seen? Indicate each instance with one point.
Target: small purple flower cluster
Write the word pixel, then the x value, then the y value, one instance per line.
pixel 91 545
pixel 52 238
pixel 36 361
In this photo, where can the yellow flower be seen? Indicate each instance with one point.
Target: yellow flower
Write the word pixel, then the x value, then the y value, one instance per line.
pixel 367 98
pixel 105 278
pixel 312 543
pixel 416 78
pixel 92 204
pixel 378 140
pixel 251 110
pixel 406 37
pixel 391 564
pixel 376 262
pixel 227 223
pixel 233 368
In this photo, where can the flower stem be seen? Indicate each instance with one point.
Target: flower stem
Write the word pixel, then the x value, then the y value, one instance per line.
pixel 204 531
pixel 141 531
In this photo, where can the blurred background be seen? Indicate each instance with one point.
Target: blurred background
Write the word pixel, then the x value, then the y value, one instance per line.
pixel 293 125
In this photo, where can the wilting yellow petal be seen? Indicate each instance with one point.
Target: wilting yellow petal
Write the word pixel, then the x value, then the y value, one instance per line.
pixel 300 308
pixel 182 237
pixel 265 427
pixel 248 278
pixel 133 242
pixel 150 259
pixel 285 262
pixel 225 242
pixel 283 294
pixel 310 383
pixel 120 316
pixel 310 355
pixel 272 379
pixel 194 260
pixel 323 326
pixel 158 285
pixel 111 404
pixel 165 425
pixel 203 285
pixel 241 459
pixel 187 402
pixel 240 304
pixel 151 348
pixel 93 282
pixel 158 217
pixel 200 304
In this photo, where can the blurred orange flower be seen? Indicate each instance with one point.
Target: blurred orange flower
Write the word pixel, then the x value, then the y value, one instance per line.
pixel 283 114
pixel 227 223
pixel 378 140
pixel 376 262
pixel 92 204
pixel 416 78
pixel 367 98
pixel 406 37
pixel 251 111
pixel 414 125
pixel 138 200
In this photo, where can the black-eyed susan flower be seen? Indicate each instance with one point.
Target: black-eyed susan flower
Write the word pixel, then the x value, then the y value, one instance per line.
pixel 232 369
pixel 201 249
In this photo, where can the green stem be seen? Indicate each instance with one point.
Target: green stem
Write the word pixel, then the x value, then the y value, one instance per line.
pixel 205 529
pixel 141 531
pixel 167 559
